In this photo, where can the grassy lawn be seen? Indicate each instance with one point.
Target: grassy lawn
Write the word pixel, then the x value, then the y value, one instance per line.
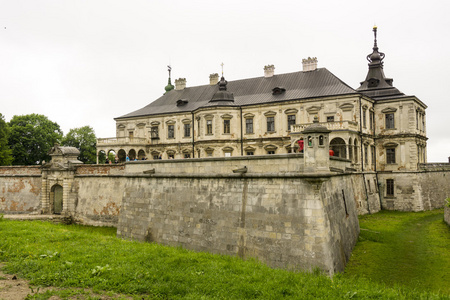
pixel 72 256
pixel 410 249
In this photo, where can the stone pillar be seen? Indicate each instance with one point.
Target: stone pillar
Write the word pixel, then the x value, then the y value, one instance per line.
pixel 45 201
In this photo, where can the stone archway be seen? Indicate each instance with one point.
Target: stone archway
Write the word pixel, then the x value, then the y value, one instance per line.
pixel 132 154
pixel 122 155
pixel 339 147
pixel 56 199
pixel 141 155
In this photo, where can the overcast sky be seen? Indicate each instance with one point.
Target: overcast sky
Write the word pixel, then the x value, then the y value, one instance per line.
pixel 85 62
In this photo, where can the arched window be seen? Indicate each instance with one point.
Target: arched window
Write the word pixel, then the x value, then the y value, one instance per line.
pixel 321 140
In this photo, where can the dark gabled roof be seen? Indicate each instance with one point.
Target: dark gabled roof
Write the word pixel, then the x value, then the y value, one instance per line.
pixel 298 85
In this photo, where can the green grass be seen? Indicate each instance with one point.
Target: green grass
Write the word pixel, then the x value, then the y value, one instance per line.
pixel 409 249
pixel 72 256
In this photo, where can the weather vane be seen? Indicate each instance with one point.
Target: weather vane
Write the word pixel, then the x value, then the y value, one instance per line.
pixel 169 68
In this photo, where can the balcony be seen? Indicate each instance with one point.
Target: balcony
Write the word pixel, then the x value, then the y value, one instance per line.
pixel 340 125
pixel 120 141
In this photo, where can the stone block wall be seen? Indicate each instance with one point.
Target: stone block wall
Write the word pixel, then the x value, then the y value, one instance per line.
pixel 98 199
pixel 416 191
pixel 20 189
pixel 285 222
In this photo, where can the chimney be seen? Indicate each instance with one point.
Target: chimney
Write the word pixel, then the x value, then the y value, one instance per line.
pixel 269 71
pixel 213 79
pixel 180 84
pixel 309 64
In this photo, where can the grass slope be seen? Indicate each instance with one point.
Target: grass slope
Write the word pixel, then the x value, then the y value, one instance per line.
pixel 88 257
pixel 410 249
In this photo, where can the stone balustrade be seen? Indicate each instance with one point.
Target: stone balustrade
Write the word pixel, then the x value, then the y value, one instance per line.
pixel 349 125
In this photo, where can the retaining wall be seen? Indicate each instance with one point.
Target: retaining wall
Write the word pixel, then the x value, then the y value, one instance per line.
pixel 20 189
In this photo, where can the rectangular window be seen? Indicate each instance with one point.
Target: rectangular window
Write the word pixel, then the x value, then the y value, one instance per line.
pixel 364 115
pixel 390 187
pixel 171 131
pixel 271 152
pixel 130 134
pixel 248 125
pixel 226 126
pixel 372 150
pixel 187 130
pixel 390 124
pixel 270 124
pixel 366 155
pixel 330 118
pixel 371 120
pixel 291 121
pixel 187 155
pixel 249 152
pixel 154 132
pixel 208 126
pixel 390 155
pixel 417 119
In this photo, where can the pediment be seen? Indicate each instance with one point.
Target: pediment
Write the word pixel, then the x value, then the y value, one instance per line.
pixel 291 111
pixel 388 110
pixel 270 114
pixel 313 109
pixel 346 106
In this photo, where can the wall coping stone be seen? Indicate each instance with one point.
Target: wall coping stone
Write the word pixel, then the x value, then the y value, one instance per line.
pixel 215 175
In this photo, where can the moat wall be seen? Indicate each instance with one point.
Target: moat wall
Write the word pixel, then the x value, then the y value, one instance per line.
pixel 269 208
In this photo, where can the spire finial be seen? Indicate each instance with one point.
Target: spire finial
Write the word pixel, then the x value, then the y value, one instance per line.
pixel 375 36
pixel 222 68
pixel 169 85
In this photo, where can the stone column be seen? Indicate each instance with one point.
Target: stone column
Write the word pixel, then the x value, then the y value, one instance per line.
pixel 45 201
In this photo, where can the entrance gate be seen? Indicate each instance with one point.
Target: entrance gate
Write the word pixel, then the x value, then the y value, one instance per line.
pixel 57 199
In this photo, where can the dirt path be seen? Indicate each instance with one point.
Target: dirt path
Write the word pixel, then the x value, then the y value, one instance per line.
pixel 13 288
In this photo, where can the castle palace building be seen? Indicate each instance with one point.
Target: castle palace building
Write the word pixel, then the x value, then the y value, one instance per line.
pixel 375 127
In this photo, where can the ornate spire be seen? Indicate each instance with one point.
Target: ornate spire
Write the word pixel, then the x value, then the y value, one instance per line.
pixel 376 84
pixel 375 58
pixel 169 85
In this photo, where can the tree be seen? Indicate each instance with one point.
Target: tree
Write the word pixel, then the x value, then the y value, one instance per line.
pixel 5 152
pixel 83 139
pixel 31 137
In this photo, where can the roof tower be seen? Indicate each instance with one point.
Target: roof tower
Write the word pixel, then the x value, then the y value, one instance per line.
pixel 376 84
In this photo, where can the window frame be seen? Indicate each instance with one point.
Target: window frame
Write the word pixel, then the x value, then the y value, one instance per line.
pixel 270 120
pixel 391 156
pixel 249 125
pixel 291 120
pixel 187 130
pixel 390 120
pixel 209 127
pixel 171 131
pixel 390 187
pixel 226 126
